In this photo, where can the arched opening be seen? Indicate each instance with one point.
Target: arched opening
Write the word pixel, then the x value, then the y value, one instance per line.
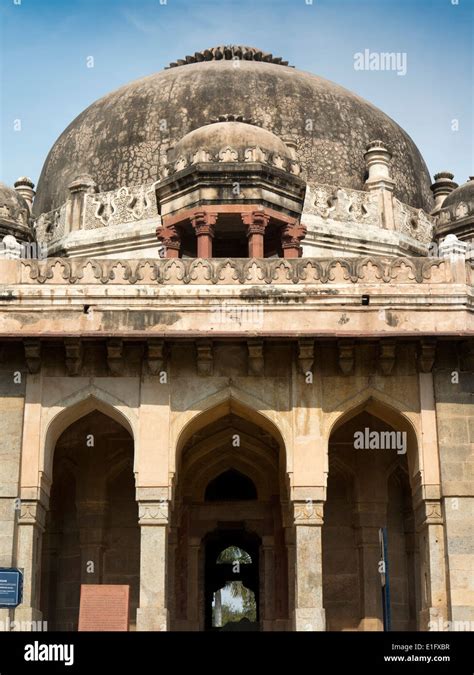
pixel 368 489
pixel 231 485
pixel 232 580
pixel 230 496
pixel 92 534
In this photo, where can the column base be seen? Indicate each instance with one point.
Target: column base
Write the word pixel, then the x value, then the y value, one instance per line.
pixel 433 618
pixel 28 619
pixel 152 619
pixel 309 619
pixel 370 625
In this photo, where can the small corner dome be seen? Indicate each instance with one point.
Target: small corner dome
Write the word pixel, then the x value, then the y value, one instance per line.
pixel 213 139
pixel 14 214
pixel 464 194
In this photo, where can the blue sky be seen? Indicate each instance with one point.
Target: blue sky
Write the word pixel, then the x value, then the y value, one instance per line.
pixel 46 83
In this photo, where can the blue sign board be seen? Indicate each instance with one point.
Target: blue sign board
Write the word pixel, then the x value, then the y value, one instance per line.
pixel 11 587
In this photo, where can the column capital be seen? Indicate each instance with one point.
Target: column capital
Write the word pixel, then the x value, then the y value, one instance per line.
pixel 428 512
pixel 153 513
pixel 255 221
pixel 291 236
pixel 170 237
pixel 203 222
pixel 308 512
pixel 32 513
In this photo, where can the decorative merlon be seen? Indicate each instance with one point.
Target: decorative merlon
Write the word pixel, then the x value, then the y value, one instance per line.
pixel 235 271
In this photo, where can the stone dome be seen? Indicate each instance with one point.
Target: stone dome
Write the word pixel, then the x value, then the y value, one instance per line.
pixel 464 194
pixel 14 214
pixel 123 138
pixel 230 141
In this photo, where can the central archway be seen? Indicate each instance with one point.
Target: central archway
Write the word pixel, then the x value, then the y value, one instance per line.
pixel 230 492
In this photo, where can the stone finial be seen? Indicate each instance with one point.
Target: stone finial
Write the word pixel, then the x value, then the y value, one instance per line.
pixel 377 159
pixel 442 186
pixel 452 247
pixel 82 183
pixel 10 248
pixel 24 186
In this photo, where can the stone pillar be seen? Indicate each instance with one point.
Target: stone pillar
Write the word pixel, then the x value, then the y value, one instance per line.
pixel 432 557
pixel 24 186
pixel 91 516
pixel 377 159
pixel 443 185
pixel 268 568
pixel 30 533
pixel 369 517
pixel 309 614
pixel 78 189
pixel 256 223
pixel 194 546
pixel 152 614
pixel 291 236
pixel 170 237
pixel 203 224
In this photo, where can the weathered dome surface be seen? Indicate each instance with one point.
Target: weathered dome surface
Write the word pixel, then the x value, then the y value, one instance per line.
pixel 464 194
pixel 122 138
pixel 238 137
pixel 14 214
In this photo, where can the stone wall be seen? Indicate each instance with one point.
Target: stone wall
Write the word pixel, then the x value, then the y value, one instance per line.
pixel 454 390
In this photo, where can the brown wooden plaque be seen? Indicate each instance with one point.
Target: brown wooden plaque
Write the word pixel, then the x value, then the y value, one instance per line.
pixel 104 607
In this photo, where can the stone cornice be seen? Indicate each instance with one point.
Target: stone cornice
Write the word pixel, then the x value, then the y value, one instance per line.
pixel 299 298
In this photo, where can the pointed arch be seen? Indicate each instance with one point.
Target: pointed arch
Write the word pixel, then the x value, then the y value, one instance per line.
pixel 387 411
pixel 212 408
pixel 73 408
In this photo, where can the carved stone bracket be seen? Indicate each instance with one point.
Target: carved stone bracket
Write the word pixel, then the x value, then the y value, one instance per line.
pixel 387 356
pixel 153 513
pixel 115 356
pixel 155 356
pixel 73 349
pixel 346 351
pixel 467 355
pixel 32 513
pixel 429 512
pixel 426 355
pixel 308 513
pixel 204 357
pixel 256 362
pixel 32 354
pixel 305 355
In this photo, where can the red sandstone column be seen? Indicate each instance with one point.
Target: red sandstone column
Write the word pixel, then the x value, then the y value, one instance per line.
pixel 256 223
pixel 170 237
pixel 291 236
pixel 203 224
